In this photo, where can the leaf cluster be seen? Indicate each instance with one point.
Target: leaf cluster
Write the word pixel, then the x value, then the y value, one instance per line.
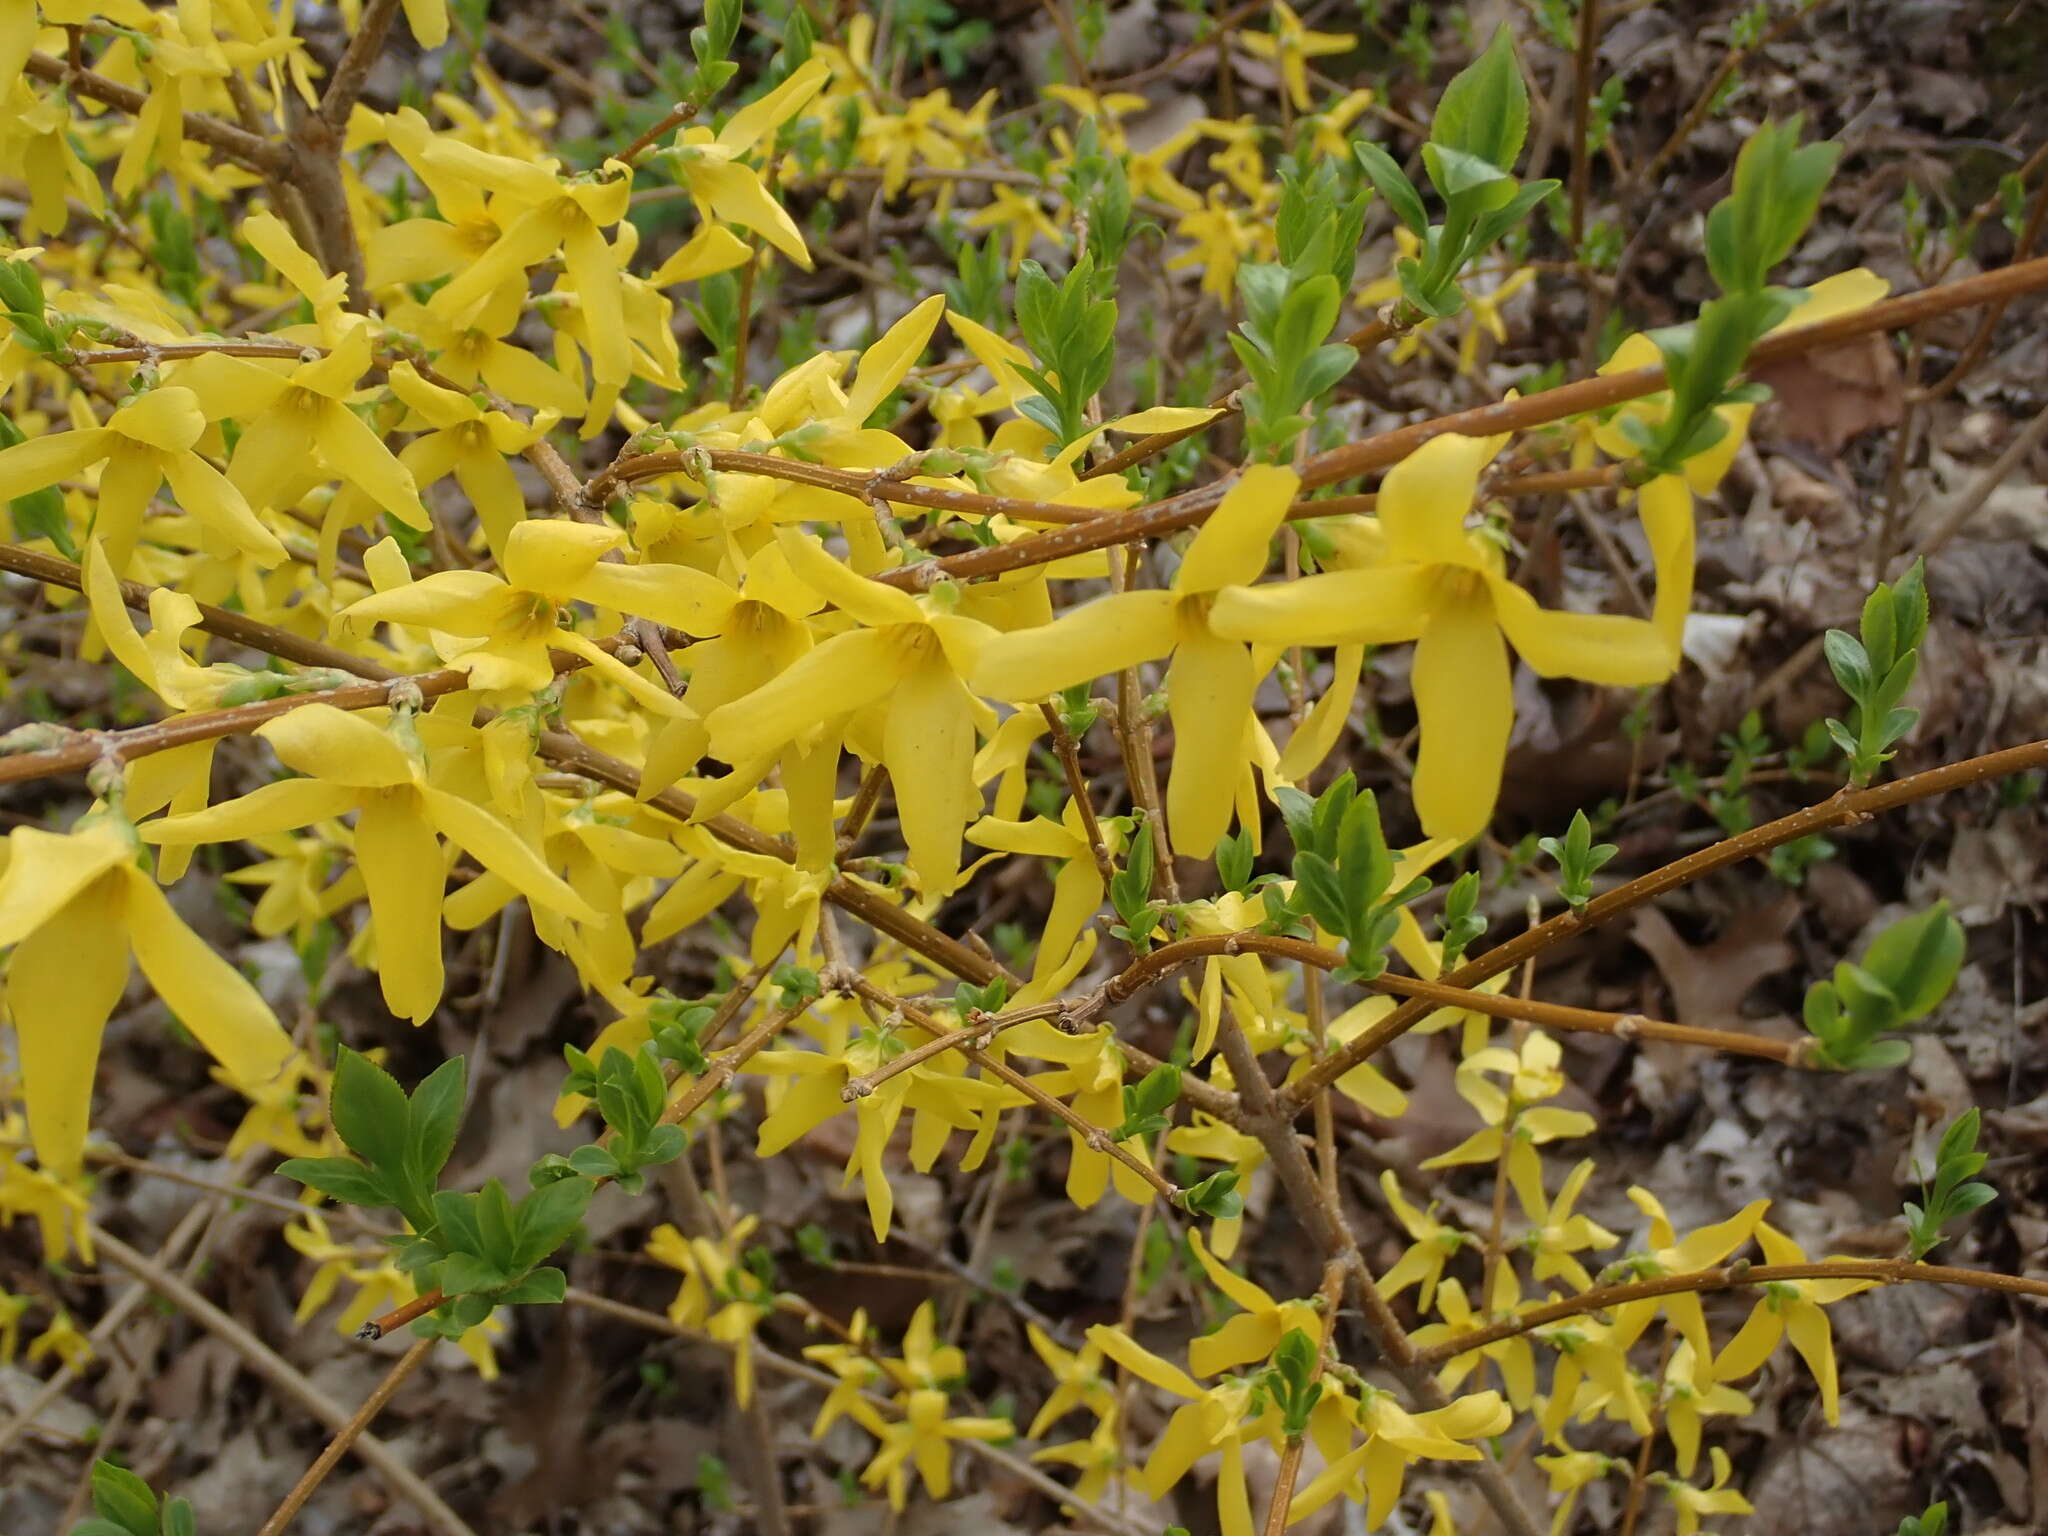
pixel 1070 327
pixel 1877 669
pixel 1343 874
pixel 1903 976
pixel 1954 1193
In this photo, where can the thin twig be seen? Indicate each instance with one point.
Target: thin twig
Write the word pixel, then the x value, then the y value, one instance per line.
pixel 280 1373
pixel 282 1517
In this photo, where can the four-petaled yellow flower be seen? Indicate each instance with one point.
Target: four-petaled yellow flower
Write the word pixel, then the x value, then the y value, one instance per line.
pixel 1794 1309
pixel 351 765
pixel 1444 588
pixel 1291 45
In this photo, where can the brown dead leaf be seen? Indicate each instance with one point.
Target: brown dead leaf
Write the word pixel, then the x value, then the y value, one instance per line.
pixel 1847 1481
pixel 1827 398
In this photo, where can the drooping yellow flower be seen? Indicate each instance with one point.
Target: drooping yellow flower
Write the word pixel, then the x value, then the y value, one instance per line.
pixel 297 426
pixel 1691 1503
pixel 469 441
pixel 1256 1331
pixel 1396 1440
pixel 1558 1234
pixel 1794 1309
pixel 145 442
pixel 1211 677
pixel 1432 1245
pixel 74 906
pixel 351 765
pixel 725 188
pixel 1516 1116
pixel 719 1294
pixel 906 663
pixel 1670 1255
pixel 63 1339
pixel 1209 1419
pixel 1077 1377
pixel 1445 589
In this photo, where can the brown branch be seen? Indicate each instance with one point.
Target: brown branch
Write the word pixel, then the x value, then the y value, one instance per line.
pixel 1888 1271
pixel 1077 788
pixel 1842 809
pixel 1388 448
pixel 352 73
pixel 281 1518
pixel 1431 995
pixel 252 150
pixel 265 1362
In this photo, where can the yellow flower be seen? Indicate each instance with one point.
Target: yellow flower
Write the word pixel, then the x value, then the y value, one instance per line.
pixel 1558 1234
pixel 1396 1440
pixel 715 1277
pixel 1076 889
pixel 906 663
pixel 1518 1112
pixel 504 626
pixel 724 187
pixel 1688 1399
pixel 1099 1459
pixel 1670 1256
pixel 1483 314
pixel 924 1438
pixel 1444 588
pixel 63 1217
pixel 73 906
pixel 1794 1308
pixel 1253 1333
pixel 351 765
pixel 1211 677
pixel 1717 1498
pixel 145 442
pixel 280 1110
pixel 1292 45
pixel 1021 217
pixel 1223 235
pixel 64 1340
pixel 1517 1361
pixel 1078 1381
pixel 1569 1472
pixel 297 423
pixel 470 442
pixel 1432 1248
pixel 1209 1419
pixel 1329 127
pixel 1093 1076
pixel 857 1371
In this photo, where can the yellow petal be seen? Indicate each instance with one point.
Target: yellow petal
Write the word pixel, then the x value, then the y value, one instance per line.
pixel 928 745
pixel 745 127
pixel 846 673
pixel 359 456
pixel 284 806
pixel 1379 605
pixel 213 498
pixel 869 601
pixel 1466 704
pixel 1594 647
pixel 1141 1362
pixel 332 744
pixel 64 980
pixel 499 849
pixel 45 870
pixel 884 364
pixel 1093 640
pixel 1209 687
pixel 1425 498
pixel 167 418
pixel 675 595
pixel 209 997
pixel 402 868
pixel 1665 506
pixel 1230 550
pixel 43 461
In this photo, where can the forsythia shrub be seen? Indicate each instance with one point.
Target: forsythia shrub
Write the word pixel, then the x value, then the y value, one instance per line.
pixel 437 456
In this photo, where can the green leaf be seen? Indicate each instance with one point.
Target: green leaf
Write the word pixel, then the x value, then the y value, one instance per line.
pixel 433 1117
pixel 1917 959
pixel 1457 175
pixel 1484 111
pixel 465 1273
pixel 369 1111
pixel 124 1499
pixel 339 1178
pixel 177 1518
pixel 547 1217
pixel 1392 183
pixel 542 1287
pixel 497 1227
pixel 1850 665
